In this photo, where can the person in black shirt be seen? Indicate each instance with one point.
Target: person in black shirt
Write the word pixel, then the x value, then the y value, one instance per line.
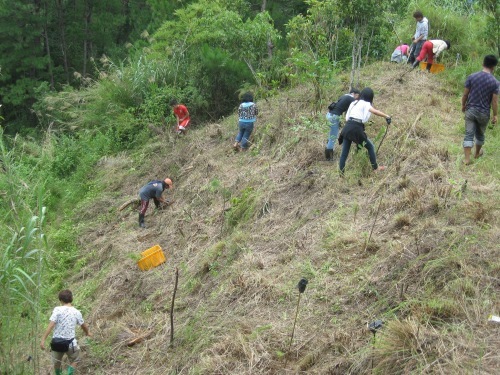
pixel 335 110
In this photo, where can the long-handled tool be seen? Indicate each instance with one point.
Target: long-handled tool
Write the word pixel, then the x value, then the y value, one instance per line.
pixel 301 286
pixel 388 120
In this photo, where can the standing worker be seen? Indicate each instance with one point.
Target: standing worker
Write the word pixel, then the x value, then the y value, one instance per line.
pixel 420 36
pixel 480 93
pixel 247 115
pixel 152 190
pixel 354 130
pixel 182 114
pixel 431 49
pixel 64 319
pixel 335 110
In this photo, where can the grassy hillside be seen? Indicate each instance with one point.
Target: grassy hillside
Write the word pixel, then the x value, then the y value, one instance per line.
pixel 245 227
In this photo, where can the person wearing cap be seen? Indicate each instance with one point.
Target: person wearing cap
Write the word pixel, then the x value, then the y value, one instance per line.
pixel 152 190
pixel 335 110
pixel 431 49
pixel 182 115
pixel 357 115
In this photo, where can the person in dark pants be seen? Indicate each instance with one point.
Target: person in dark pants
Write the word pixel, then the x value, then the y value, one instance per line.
pixel 420 36
pixel 357 115
pixel 152 190
pixel 63 321
pixel 335 110
pixel 480 94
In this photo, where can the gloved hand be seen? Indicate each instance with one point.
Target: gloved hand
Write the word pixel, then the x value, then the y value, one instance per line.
pixel 388 120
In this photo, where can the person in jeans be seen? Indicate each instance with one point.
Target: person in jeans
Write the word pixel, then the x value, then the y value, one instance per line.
pixel 420 36
pixel 400 54
pixel 357 115
pixel 63 321
pixel 247 114
pixel 480 94
pixel 152 190
pixel 333 116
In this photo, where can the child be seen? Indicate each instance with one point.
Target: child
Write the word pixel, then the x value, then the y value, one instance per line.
pixel 247 113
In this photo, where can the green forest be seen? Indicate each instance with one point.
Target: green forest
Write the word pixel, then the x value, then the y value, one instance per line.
pixel 85 121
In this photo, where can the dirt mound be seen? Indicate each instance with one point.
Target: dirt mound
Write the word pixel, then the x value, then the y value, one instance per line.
pixel 414 246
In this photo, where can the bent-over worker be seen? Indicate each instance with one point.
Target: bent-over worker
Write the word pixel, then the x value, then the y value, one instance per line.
pixel 152 190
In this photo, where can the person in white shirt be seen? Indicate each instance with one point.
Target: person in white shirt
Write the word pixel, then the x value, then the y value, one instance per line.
pixel 432 49
pixel 420 36
pixel 64 319
pixel 357 115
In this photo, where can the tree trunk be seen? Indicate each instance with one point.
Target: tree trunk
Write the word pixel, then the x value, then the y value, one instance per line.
pixel 86 41
pixel 62 30
pixel 47 50
pixel 354 55
pixel 264 5
pixel 368 47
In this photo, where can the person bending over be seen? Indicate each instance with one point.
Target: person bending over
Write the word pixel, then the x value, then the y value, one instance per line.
pixel 357 115
pixel 335 110
pixel 431 49
pixel 152 190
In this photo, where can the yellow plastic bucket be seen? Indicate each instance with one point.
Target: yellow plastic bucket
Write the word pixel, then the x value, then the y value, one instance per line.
pixel 435 68
pixel 151 258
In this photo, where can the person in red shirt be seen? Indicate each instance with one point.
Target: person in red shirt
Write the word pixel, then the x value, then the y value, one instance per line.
pixel 182 114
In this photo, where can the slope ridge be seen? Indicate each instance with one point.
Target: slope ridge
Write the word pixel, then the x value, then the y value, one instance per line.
pixel 246 227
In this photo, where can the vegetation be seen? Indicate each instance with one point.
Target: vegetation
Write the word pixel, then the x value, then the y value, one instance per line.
pixel 85 87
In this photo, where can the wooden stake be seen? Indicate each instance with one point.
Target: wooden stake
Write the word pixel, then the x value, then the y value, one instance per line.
pixel 172 308
pixel 293 330
pixel 373 226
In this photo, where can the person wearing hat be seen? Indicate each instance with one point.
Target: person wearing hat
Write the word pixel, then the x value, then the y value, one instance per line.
pixel 152 190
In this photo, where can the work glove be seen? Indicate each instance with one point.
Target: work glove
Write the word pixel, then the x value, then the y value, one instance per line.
pixel 388 120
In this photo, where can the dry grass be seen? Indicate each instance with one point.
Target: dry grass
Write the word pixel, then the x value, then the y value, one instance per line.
pixel 431 242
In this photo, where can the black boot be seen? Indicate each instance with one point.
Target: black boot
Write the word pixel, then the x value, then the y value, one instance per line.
pixel 328 154
pixel 429 66
pixel 141 221
pixel 415 64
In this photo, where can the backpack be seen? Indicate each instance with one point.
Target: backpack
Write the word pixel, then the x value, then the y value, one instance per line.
pixel 331 107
